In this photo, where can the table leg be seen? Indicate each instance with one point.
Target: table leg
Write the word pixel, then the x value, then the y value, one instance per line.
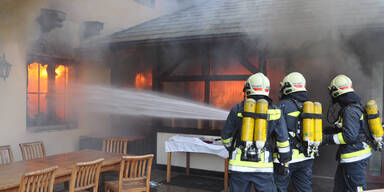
pixel 169 167
pixel 226 175
pixel 188 157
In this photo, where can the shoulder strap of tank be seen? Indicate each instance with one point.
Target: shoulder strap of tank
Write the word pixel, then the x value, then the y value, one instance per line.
pixel 364 120
pixel 298 104
pixel 359 106
pixel 300 108
pixel 296 139
pixel 238 124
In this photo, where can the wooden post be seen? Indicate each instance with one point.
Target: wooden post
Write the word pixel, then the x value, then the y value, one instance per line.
pixel 263 61
pixel 188 157
pixel 226 174
pixel 173 122
pixel 199 124
pixel 169 167
pixel 213 125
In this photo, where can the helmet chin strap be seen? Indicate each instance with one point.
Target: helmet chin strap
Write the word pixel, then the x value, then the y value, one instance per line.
pixel 281 93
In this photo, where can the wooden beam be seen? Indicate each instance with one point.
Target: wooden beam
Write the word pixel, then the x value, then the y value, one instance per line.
pixel 263 61
pixel 206 71
pixel 205 78
pixel 242 56
pixel 156 83
pixel 247 64
pixel 173 67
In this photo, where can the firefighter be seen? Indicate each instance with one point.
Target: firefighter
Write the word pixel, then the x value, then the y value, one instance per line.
pixel 250 145
pixel 353 153
pixel 293 94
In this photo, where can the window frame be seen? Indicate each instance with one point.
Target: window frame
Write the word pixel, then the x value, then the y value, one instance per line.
pixel 50 61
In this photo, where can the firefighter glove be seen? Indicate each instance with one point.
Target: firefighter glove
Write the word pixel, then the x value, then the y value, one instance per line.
pixel 281 168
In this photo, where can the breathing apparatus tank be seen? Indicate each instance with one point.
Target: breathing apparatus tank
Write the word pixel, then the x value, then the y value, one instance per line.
pixel 374 122
pixel 318 127
pixel 247 129
pixel 260 134
pixel 308 127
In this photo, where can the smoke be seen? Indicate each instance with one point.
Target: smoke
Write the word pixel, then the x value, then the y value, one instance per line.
pixel 321 39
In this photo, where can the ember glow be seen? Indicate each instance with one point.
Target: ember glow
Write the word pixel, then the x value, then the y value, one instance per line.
pixel 225 94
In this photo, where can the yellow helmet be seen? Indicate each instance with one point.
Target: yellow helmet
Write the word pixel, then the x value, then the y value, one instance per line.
pixel 339 85
pixel 293 82
pixel 257 84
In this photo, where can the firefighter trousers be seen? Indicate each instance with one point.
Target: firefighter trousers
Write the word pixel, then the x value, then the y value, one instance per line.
pixel 241 182
pixel 350 177
pixel 300 174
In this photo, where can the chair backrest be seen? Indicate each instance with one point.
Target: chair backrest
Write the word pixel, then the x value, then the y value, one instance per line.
pixel 85 175
pixel 41 180
pixel 135 169
pixel 6 155
pixel 115 145
pixel 33 150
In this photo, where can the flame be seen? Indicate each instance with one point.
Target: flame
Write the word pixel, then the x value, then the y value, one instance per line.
pixel 61 86
pixel 225 94
pixel 60 71
pixel 33 76
pixel 143 81
pixel 37 72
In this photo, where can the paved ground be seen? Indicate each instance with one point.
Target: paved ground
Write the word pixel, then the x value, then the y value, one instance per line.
pixel 158 177
pixel 319 184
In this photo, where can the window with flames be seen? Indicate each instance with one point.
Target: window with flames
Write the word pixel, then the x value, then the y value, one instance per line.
pixel 48 96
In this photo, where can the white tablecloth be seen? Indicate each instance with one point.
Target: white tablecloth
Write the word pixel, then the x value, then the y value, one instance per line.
pixel 194 144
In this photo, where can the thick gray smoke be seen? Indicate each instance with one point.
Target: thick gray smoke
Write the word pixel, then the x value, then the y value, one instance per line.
pixel 322 39
pixel 146 103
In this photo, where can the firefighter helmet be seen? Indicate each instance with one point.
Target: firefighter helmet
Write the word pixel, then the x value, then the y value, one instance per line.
pixel 339 85
pixel 257 84
pixel 293 82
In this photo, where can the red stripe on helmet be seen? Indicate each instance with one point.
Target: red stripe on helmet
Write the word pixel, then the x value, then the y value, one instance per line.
pixel 342 88
pixel 258 89
pixel 298 86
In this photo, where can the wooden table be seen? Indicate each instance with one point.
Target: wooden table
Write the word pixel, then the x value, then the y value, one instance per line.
pixel 187 167
pixel 10 174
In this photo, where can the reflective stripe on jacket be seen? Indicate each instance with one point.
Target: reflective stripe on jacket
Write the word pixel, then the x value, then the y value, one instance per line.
pixel 236 164
pixel 353 124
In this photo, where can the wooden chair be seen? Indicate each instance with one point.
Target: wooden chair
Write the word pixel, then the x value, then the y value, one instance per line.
pixel 41 180
pixel 135 175
pixel 115 145
pixel 6 155
pixel 33 150
pixel 85 176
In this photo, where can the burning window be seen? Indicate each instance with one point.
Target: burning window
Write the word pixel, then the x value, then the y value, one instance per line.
pixel 47 95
